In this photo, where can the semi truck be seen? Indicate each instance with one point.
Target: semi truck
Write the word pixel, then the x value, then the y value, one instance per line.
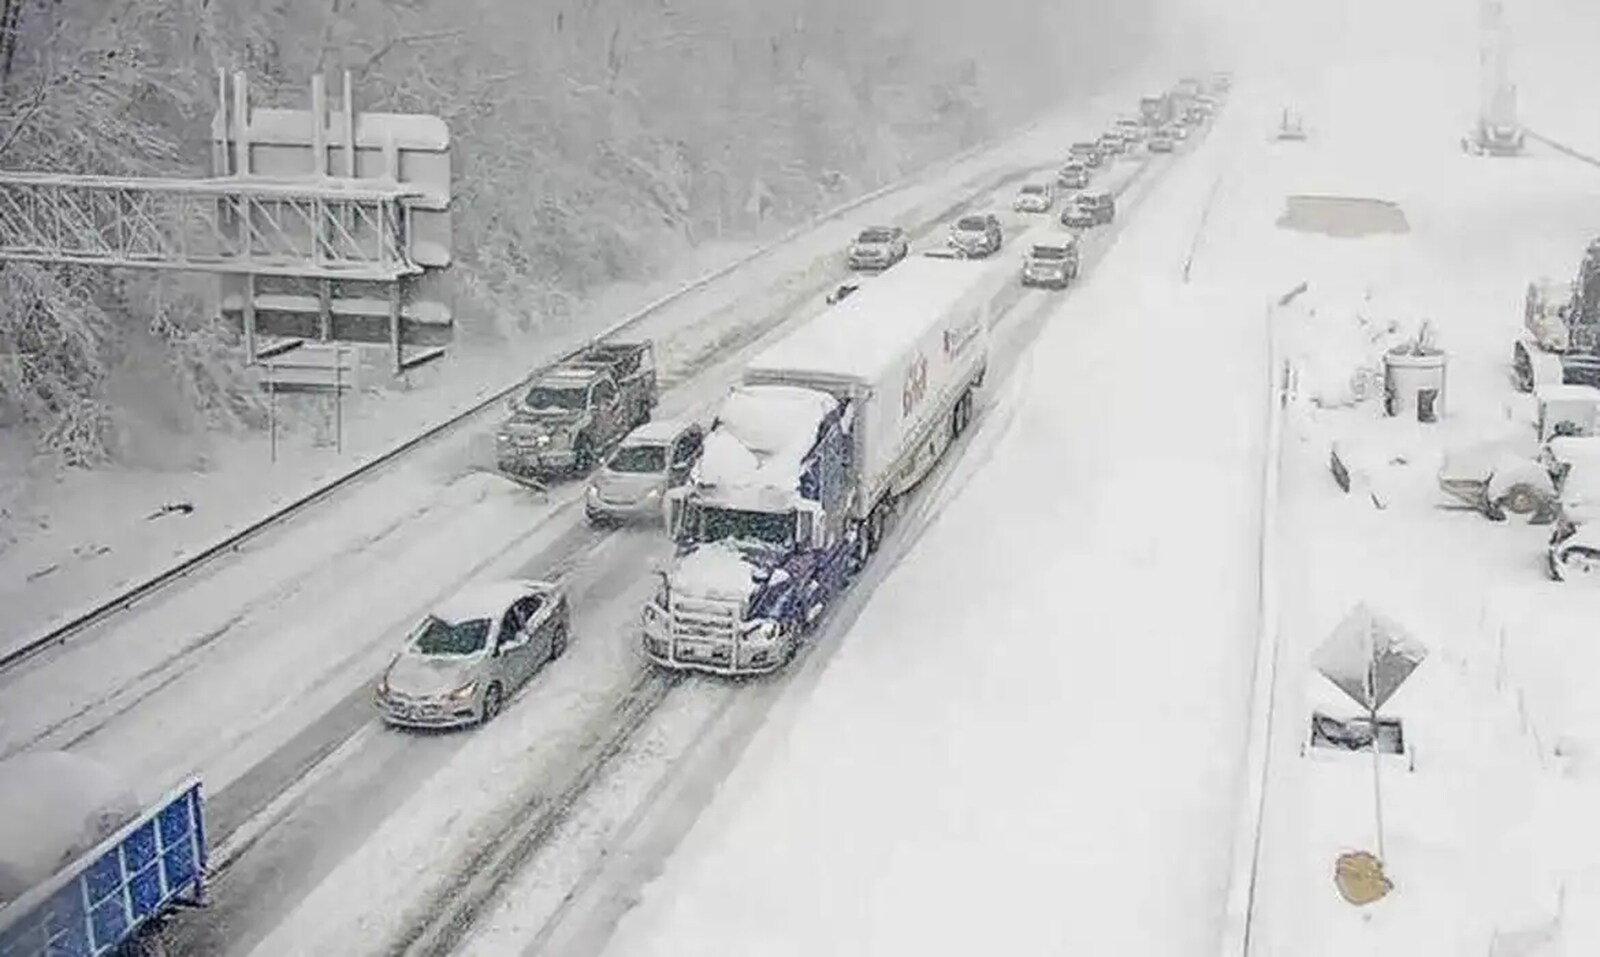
pixel 85 870
pixel 807 459
pixel 1156 109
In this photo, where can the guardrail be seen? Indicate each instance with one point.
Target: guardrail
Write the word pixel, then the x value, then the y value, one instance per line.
pixel 1247 842
pixel 1563 148
pixel 233 542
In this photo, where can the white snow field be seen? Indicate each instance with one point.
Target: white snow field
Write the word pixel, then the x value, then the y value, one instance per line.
pixel 1029 741
pixel 1482 833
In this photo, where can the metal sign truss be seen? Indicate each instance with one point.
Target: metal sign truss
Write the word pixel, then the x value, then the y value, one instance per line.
pixel 331 229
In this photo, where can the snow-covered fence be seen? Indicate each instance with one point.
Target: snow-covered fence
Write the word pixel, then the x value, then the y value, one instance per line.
pixel 1246 852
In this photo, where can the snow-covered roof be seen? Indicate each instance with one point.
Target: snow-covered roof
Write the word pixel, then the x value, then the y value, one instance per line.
pixel 485 599
pixel 1565 392
pixel 760 440
pixel 864 335
pixel 655 431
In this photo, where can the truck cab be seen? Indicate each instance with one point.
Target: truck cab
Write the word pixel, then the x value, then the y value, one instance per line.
pixel 761 532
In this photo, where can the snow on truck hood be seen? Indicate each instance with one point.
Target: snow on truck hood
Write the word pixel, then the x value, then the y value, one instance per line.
pixel 761 438
pixel 718 570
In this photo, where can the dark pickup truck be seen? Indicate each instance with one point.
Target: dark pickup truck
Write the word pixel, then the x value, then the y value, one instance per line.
pixel 569 414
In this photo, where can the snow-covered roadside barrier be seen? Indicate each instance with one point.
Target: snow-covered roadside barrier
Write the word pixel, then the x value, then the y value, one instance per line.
pixel 1246 854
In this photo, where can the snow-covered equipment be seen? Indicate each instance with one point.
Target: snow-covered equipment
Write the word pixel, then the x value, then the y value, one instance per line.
pixel 1560 342
pixel 84 869
pixel 807 458
pixel 1495 478
pixel 1414 378
pixel 1567 410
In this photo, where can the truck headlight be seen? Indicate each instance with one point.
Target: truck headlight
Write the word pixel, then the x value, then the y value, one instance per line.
pixel 761 632
pixel 542 441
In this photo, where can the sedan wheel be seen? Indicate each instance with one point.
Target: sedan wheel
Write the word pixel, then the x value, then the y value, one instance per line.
pixel 493 700
pixel 558 644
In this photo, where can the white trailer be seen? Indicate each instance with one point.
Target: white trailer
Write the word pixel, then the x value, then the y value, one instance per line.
pixel 906 351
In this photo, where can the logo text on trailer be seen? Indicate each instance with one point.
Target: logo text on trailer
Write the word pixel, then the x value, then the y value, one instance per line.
pixel 916 386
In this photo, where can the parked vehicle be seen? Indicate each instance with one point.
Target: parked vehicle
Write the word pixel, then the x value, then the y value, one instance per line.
pixel 977 235
pixel 1034 198
pixel 1053 262
pixel 1574 547
pixel 464 659
pixel 653 459
pixel 807 460
pixel 1131 129
pixel 1112 144
pixel 85 869
pixel 1074 175
pixel 1560 342
pixel 878 247
pixel 1088 152
pixel 571 414
pixel 1162 143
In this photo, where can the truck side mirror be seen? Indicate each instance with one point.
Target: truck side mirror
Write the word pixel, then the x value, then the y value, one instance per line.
pixel 672 505
pixel 808 524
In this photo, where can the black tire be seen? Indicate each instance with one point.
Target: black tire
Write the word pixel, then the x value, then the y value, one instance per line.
pixel 876 522
pixel 493 701
pixel 558 642
pixel 1520 499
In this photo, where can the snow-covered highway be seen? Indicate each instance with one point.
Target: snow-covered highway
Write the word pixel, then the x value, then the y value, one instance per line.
pixel 300 776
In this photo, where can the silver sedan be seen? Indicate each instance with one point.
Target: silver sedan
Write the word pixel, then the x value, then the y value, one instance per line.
pixel 472 652
pixel 655 457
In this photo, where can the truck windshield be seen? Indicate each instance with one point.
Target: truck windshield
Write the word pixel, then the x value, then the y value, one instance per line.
pixel 544 397
pixel 718 524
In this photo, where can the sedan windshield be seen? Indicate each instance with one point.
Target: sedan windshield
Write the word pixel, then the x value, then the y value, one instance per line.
pixel 639 458
pixel 437 637
pixel 972 224
pixel 1032 190
pixel 771 528
pixel 544 397
pixel 874 236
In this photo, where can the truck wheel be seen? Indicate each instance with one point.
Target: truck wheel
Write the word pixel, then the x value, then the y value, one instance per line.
pixel 1519 500
pixel 493 698
pixel 875 526
pixel 582 455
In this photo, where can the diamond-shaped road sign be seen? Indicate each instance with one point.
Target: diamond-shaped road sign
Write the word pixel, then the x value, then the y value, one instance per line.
pixel 1368 657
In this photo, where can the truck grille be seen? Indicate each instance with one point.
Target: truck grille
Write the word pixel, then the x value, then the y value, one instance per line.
pixel 705 619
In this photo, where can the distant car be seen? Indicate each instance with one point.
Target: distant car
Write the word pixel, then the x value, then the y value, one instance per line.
pixel 1162 143
pixel 878 247
pixel 1074 175
pixel 1131 128
pixel 977 235
pixel 1034 198
pixel 1177 131
pixel 651 460
pixel 1088 152
pixel 1112 143
pixel 1052 262
pixel 464 659
pixel 1088 210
